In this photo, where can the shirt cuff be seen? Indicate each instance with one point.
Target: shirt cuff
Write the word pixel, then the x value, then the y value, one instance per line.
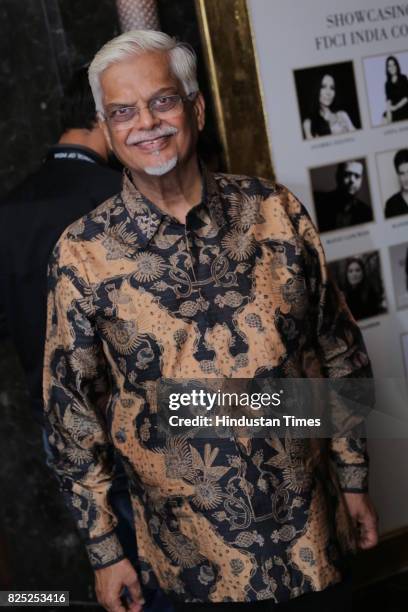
pixel 104 551
pixel 353 478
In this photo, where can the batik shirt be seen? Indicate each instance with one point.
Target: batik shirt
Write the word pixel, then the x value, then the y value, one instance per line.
pixel 238 291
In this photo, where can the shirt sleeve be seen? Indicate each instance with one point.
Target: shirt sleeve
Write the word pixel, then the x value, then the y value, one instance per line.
pixel 76 393
pixel 340 348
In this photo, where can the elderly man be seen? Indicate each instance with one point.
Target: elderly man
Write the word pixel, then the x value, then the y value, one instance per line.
pixel 193 275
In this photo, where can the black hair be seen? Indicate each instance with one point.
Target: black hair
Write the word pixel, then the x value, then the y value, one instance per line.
pixel 354 260
pixel 401 157
pixel 363 287
pixel 77 105
pixel 320 126
pixel 394 59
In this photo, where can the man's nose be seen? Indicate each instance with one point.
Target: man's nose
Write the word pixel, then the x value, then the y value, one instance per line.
pixel 147 119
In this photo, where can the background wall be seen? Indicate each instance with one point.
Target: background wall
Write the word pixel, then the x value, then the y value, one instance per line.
pixel 316 35
pixel 40 43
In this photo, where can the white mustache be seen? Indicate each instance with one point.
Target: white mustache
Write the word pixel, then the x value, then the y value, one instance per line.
pixel 143 136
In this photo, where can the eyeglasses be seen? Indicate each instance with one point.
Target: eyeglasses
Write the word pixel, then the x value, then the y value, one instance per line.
pixel 124 117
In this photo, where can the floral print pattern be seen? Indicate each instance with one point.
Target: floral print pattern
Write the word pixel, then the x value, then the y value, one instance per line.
pixel 240 291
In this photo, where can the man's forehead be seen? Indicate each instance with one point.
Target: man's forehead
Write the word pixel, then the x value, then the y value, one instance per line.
pixel 354 168
pixel 137 75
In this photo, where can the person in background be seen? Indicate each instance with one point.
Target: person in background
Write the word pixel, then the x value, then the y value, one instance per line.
pixel 396 91
pixel 325 118
pixel 362 298
pixel 73 179
pixel 397 204
pixel 341 207
pixel 189 274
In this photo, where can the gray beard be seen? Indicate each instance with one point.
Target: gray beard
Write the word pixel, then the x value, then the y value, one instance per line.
pixel 162 168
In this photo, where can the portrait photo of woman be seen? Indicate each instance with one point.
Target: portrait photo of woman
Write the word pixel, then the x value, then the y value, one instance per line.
pixel 327 100
pixel 359 277
pixel 396 91
pixel 324 118
pixel 387 87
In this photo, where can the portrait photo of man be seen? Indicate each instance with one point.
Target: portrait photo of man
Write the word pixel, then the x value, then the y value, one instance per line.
pixel 346 205
pixel 397 204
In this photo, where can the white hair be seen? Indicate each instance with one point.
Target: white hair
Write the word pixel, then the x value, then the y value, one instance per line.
pixel 182 58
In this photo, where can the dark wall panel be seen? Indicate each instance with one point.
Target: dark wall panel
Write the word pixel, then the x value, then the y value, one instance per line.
pixel 41 41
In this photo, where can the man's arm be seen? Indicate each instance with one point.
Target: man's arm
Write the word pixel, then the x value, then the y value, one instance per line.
pixel 76 393
pixel 342 354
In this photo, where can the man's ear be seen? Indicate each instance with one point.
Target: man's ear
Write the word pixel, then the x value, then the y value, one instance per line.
pixel 199 109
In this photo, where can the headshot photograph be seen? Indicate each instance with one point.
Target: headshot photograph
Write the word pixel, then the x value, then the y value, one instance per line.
pixel 327 99
pixel 399 267
pixel 387 87
pixel 341 195
pixel 360 279
pixel 393 173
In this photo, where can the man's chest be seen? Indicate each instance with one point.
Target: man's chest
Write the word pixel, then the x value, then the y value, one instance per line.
pixel 207 300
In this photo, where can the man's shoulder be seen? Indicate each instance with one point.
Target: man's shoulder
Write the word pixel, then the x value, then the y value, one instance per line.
pixel 361 203
pixel 255 188
pixel 87 227
pixel 396 198
pixel 395 205
pixel 334 201
pixel 270 195
pixel 245 183
pixel 103 179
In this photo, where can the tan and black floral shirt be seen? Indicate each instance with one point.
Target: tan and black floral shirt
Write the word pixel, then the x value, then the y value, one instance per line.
pixel 240 290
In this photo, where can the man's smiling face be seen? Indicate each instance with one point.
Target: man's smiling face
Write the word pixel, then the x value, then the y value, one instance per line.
pixel 149 143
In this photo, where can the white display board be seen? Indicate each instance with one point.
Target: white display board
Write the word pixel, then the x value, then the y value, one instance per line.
pixel 334 76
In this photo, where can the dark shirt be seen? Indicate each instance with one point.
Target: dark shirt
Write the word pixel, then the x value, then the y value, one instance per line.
pixel 395 206
pixel 334 210
pixel 239 291
pixel 364 304
pixel 395 92
pixel 72 181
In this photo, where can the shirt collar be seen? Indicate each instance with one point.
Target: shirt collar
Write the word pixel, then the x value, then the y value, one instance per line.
pixel 75 152
pixel 147 218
